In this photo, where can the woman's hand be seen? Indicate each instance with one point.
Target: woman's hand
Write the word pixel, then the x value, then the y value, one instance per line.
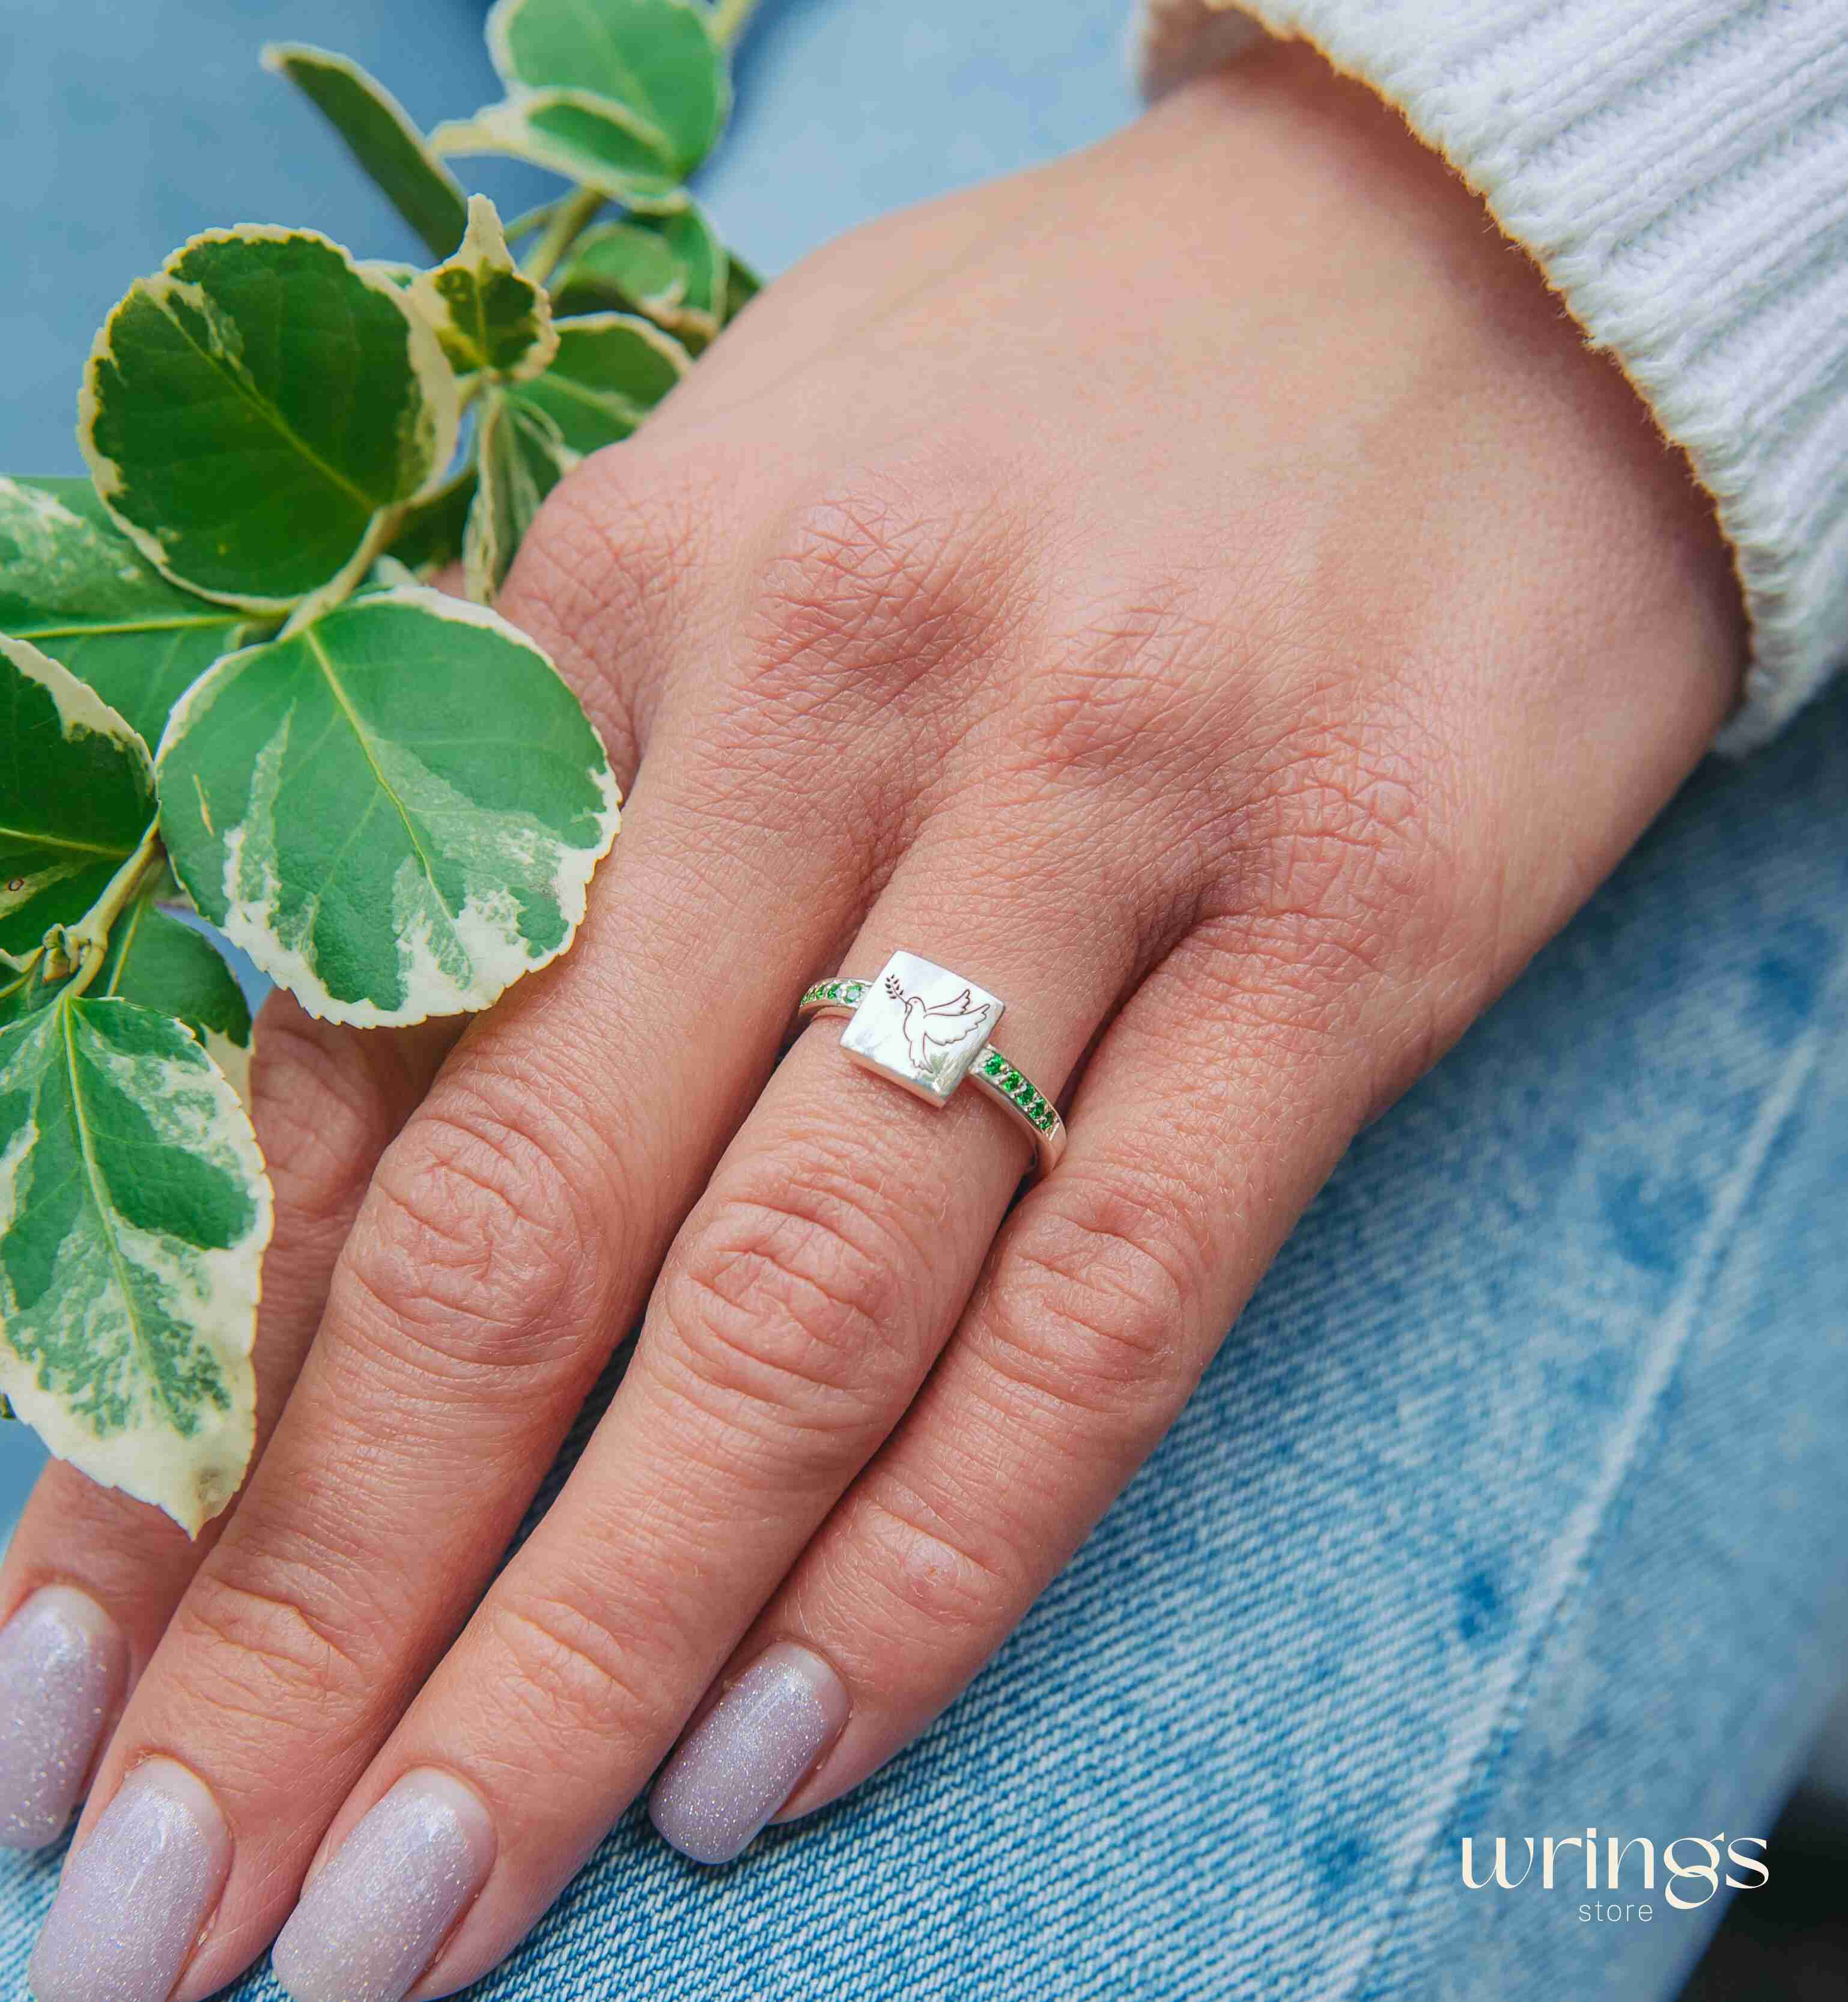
pixel 1202 591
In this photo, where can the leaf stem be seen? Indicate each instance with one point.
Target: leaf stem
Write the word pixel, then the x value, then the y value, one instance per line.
pixel 534 218
pixel 730 19
pixel 568 223
pixel 83 945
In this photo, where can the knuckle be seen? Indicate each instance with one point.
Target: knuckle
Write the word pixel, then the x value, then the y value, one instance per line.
pixel 784 1311
pixel 247 1639
pixel 476 1243
pixel 879 588
pixel 1343 873
pixel 1093 1308
pixel 603 573
pixel 571 1673
pixel 917 1571
pixel 1121 694
pixel 321 1121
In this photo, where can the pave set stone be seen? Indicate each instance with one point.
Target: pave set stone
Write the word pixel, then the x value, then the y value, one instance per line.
pixel 844 993
pixel 994 1069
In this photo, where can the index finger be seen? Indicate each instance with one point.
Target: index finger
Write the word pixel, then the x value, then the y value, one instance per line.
pixel 91 1577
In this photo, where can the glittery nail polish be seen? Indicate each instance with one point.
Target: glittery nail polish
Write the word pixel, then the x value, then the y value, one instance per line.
pixel 62 1667
pixel 134 1896
pixel 749 1753
pixel 372 1919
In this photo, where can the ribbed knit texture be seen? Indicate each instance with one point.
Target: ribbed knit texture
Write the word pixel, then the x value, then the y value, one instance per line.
pixel 1679 170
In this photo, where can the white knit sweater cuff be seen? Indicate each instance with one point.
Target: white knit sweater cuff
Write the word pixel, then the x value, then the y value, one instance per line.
pixel 1679 170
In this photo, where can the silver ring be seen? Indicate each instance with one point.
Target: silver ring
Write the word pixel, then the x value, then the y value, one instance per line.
pixel 928 1029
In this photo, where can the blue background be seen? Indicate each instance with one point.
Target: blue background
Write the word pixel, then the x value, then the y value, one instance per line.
pixel 133 124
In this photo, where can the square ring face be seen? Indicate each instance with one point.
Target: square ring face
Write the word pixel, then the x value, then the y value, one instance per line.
pixel 921 1026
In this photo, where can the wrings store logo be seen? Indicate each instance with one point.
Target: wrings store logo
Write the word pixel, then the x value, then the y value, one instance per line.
pixel 1691 1869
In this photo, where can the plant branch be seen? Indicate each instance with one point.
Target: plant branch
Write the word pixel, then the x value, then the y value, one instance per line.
pixel 534 219
pixel 568 223
pixel 82 946
pixel 730 19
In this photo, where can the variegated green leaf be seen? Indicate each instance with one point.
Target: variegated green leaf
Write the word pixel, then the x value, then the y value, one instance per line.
pixel 742 285
pixel 689 234
pixel 489 320
pixel 256 413
pixel 521 458
pixel 610 371
pixel 395 811
pixel 158 961
pixel 379 132
pixel 133 1213
pixel 430 537
pixel 76 796
pixel 584 138
pixel 620 265
pixel 22 989
pixel 394 270
pixel 72 583
pixel 671 268
pixel 658 58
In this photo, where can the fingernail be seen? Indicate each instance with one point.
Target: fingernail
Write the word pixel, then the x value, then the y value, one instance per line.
pixel 748 1754
pixel 134 1897
pixel 62 1664
pixel 372 1919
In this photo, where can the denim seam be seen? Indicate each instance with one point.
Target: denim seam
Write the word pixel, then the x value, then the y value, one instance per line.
pixel 1499 1714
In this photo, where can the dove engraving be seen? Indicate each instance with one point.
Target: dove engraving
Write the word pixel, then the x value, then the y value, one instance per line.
pixel 930 1030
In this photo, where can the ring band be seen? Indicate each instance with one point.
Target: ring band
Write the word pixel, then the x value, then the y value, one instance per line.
pixel 927 1029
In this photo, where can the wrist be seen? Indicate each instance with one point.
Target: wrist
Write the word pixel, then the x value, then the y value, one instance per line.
pixel 1496 478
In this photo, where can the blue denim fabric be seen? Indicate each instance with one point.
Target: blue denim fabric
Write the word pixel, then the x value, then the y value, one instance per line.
pixel 1517 1501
